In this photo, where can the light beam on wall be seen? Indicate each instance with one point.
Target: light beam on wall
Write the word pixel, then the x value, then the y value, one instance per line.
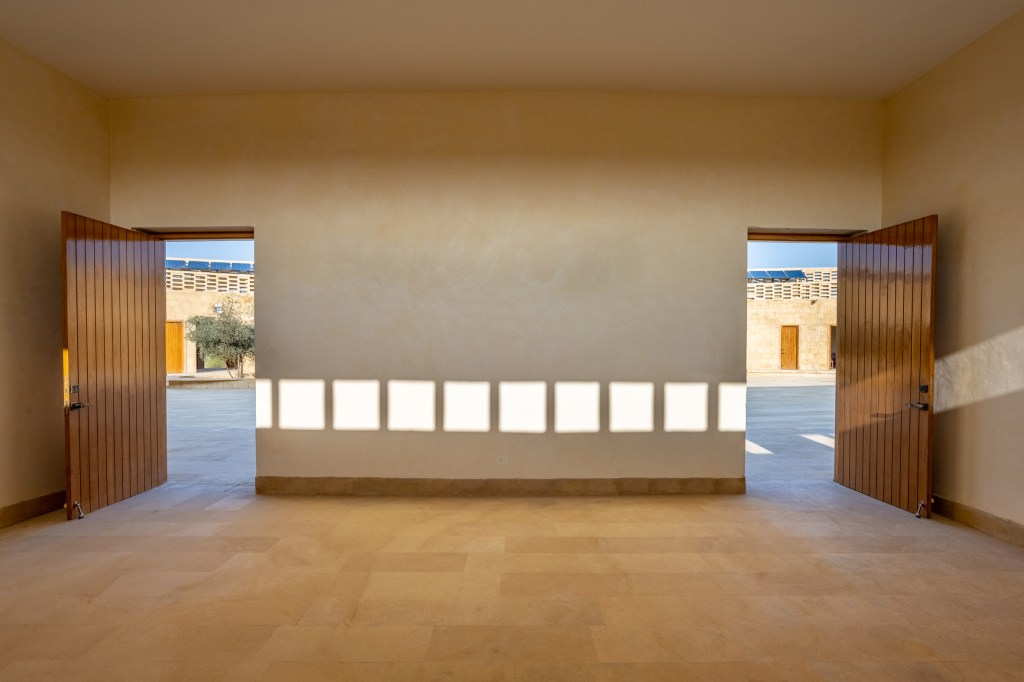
pixel 411 406
pixel 467 406
pixel 732 407
pixel 356 405
pixel 577 407
pixel 986 370
pixel 522 406
pixel 631 406
pixel 686 406
pixel 300 404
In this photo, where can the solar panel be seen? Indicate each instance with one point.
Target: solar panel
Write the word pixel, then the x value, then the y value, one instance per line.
pixel 778 274
pixel 757 274
pixel 171 263
pixel 199 265
pixel 241 267
pixel 795 274
pixel 215 265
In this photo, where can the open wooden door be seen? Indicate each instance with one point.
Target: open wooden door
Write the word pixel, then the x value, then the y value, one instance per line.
pixel 115 410
pixel 885 364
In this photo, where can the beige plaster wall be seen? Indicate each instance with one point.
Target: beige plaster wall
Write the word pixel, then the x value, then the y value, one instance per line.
pixel 765 319
pixel 954 145
pixel 499 237
pixel 54 156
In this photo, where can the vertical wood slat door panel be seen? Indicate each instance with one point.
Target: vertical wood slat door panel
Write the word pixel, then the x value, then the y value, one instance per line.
pixel 891 385
pixel 107 397
pixel 885 360
pixel 125 325
pixel 145 446
pixel 871 355
pixel 113 316
pixel 140 415
pixel 915 370
pixel 69 276
pixel 160 289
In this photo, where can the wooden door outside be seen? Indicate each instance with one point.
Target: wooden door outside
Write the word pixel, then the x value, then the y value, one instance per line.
pixel 790 357
pixel 175 347
pixel 114 306
pixel 885 364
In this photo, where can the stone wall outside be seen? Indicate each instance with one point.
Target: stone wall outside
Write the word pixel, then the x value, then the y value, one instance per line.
pixel 183 304
pixel 765 320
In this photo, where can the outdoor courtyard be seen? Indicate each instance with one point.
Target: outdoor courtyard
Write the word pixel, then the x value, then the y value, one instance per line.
pixel 790 431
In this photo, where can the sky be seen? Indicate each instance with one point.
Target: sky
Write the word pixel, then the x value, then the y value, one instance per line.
pixel 762 255
pixel 241 249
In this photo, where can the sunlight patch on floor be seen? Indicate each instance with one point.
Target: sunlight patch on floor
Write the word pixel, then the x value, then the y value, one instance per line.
pixel 755 449
pixel 818 438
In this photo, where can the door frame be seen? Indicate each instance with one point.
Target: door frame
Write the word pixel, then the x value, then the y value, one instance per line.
pixel 755 234
pixel 164 234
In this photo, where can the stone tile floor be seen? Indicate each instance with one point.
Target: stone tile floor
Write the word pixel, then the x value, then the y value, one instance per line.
pixel 798 579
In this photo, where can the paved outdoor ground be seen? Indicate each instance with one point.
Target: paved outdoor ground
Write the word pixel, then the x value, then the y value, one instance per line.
pixel 790 431
pixel 790 427
pixel 211 436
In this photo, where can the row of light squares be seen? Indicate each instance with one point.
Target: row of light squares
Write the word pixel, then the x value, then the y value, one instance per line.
pixel 522 406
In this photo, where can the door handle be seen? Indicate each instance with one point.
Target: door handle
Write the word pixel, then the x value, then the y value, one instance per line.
pixel 918 406
pixel 78 406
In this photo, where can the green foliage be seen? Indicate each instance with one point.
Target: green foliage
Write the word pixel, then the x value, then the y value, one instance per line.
pixel 225 335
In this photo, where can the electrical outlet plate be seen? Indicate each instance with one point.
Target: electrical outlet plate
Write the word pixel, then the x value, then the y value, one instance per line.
pixel 501 459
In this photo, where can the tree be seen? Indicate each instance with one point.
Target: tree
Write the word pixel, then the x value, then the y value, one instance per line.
pixel 226 335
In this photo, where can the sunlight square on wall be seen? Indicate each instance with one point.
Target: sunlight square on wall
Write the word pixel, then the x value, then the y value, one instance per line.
pixel 356 405
pixel 467 406
pixel 522 406
pixel 300 404
pixel 577 407
pixel 411 406
pixel 264 404
pixel 631 406
pixel 686 406
pixel 732 407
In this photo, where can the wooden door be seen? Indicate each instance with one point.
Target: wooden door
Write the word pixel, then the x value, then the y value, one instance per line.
pixel 885 364
pixel 175 347
pixel 114 382
pixel 790 358
pixel 831 360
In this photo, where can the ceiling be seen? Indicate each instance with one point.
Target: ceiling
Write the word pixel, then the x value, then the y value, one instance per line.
pixel 804 48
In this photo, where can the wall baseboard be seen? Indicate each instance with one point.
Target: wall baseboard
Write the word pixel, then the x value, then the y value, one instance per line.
pixel 990 524
pixel 23 511
pixel 495 487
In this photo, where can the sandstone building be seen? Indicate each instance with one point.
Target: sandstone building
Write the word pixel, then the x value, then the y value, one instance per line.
pixel 199 287
pixel 791 319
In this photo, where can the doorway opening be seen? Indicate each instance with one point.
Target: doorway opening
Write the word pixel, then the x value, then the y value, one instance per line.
pixel 211 362
pixel 792 292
